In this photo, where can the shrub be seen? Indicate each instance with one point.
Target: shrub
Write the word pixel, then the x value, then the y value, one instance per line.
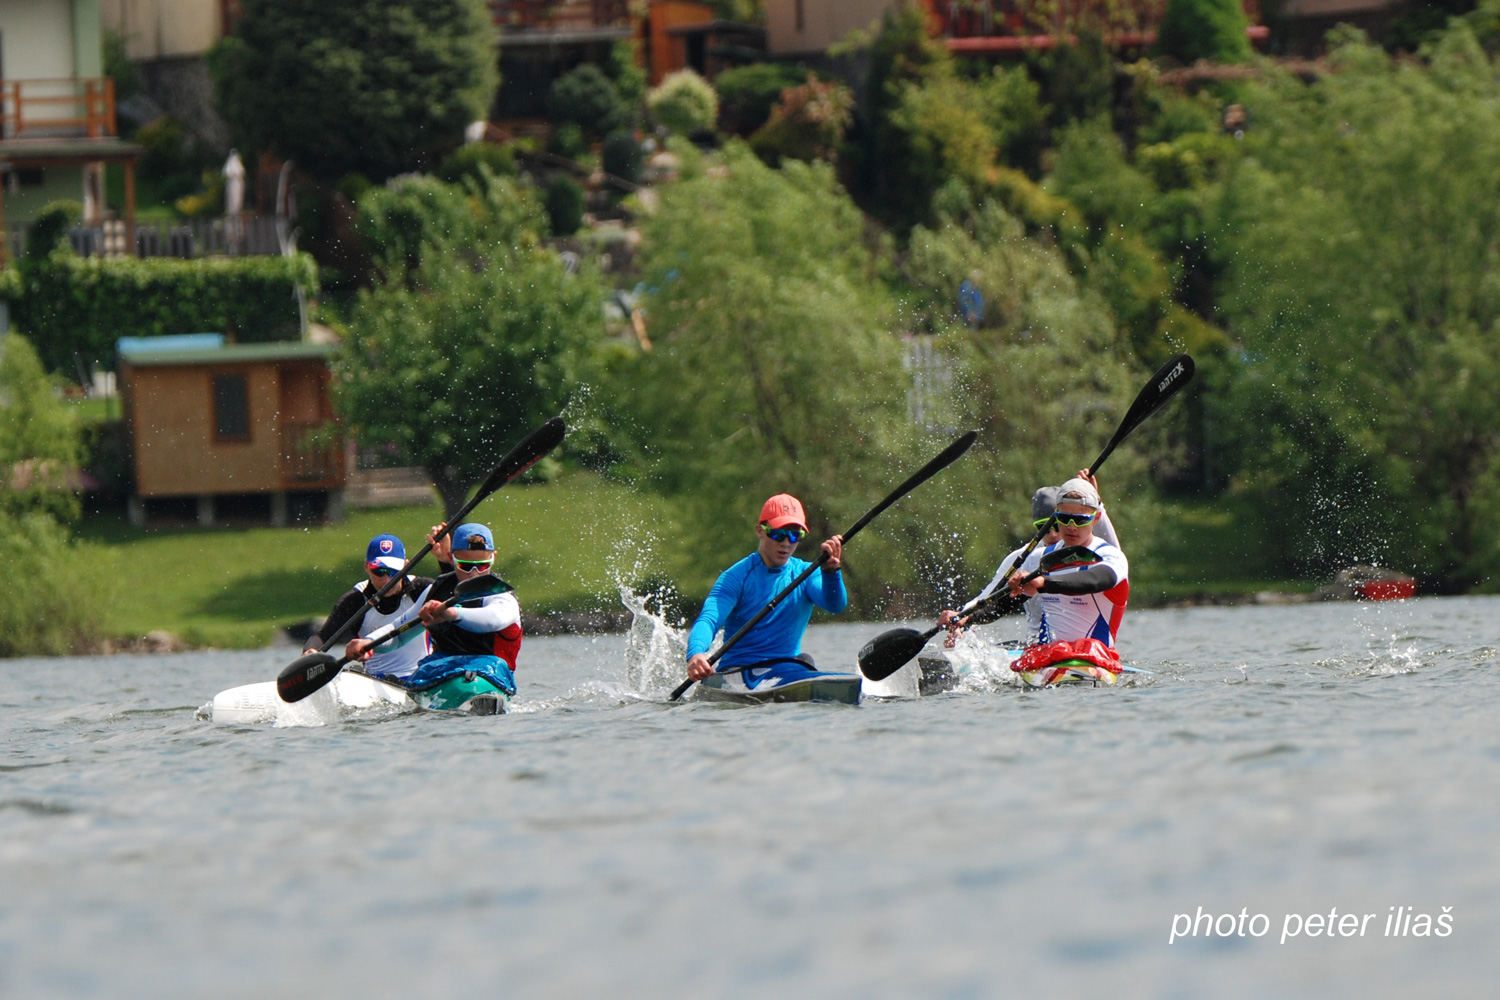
pixel 50 227
pixel 465 160
pixel 567 140
pixel 61 608
pixel 621 155
pixel 685 103
pixel 808 124
pixel 748 93
pixel 564 201
pixel 585 97
pixel 67 303
pixel 1204 29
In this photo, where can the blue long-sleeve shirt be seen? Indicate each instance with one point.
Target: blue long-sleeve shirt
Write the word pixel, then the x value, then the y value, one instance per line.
pixel 743 589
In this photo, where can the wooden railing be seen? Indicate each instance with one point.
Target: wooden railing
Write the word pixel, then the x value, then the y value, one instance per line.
pixel 559 15
pixel 63 108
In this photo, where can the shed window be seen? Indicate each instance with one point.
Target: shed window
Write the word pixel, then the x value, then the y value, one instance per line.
pixel 231 408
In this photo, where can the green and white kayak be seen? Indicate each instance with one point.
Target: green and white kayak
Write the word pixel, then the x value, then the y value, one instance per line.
pixel 842 689
pixel 352 694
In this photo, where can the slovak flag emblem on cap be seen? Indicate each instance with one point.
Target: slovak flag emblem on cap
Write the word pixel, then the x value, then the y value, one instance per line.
pixel 386 546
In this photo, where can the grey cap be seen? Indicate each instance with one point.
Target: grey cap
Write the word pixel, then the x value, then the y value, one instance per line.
pixel 1078 491
pixel 1044 502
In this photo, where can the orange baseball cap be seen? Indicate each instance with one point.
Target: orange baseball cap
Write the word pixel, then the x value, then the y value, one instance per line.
pixel 781 510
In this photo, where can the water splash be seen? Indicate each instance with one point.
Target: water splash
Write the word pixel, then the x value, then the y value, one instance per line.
pixel 655 650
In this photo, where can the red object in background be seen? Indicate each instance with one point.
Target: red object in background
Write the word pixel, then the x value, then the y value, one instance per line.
pixel 1386 590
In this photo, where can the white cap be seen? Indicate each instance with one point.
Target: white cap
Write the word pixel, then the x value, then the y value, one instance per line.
pixel 1078 491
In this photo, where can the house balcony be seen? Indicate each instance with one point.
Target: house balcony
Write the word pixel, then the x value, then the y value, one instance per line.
pixel 64 108
pixel 560 18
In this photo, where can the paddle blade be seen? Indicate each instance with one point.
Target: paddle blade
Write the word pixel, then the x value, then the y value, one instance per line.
pixel 1166 383
pixel 1068 555
pixel 305 675
pixel 891 650
pixel 524 455
pixel 485 585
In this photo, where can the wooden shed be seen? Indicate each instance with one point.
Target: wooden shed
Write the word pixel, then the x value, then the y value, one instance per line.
pixel 219 430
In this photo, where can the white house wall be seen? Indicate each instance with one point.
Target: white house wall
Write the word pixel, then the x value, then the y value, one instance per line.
pixel 36 39
pixel 157 29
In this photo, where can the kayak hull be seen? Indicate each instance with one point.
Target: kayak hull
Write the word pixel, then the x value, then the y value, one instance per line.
pixel 1068 672
pixel 351 694
pixel 947 669
pixel 840 689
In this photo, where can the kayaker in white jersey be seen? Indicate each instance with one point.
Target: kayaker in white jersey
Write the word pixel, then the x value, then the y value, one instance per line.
pixel 480 636
pixel 1082 605
pixel 1043 503
pixel 385 556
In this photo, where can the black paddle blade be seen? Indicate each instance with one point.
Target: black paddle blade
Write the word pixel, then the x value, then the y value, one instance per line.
pixel 524 455
pixel 305 675
pixel 485 585
pixel 891 650
pixel 1166 383
pixel 1068 555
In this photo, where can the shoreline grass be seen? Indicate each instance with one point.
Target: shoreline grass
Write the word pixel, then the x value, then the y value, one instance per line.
pixel 564 545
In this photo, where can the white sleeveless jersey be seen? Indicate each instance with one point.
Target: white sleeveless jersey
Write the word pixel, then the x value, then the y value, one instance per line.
pixel 399 656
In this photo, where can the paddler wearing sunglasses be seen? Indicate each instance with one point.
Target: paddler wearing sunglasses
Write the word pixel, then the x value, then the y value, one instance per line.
pixel 1043 503
pixel 1085 601
pixel 384 558
pixel 745 588
pixel 480 636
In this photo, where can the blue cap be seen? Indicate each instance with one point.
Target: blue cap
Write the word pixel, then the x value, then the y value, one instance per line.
pixel 473 536
pixel 386 550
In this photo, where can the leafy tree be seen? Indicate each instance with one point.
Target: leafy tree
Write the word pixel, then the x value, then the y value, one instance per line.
pixel 564 201
pixel 1204 29
pixel 775 367
pixel 485 336
pixel 375 86
pixel 41 442
pixel 1044 366
pixel 1358 239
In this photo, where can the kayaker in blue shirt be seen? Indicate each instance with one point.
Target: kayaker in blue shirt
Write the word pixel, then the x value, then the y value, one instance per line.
pixel 745 588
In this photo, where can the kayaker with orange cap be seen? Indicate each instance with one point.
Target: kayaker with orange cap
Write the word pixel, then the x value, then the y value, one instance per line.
pixel 745 588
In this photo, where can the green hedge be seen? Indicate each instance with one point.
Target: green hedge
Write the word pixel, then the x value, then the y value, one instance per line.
pixel 65 303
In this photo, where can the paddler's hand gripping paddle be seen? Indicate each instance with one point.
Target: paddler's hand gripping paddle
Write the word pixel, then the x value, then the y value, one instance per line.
pixel 947 457
pixel 315 670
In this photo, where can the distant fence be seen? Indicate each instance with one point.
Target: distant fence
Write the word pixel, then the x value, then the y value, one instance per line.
pixel 931 381
pixel 246 236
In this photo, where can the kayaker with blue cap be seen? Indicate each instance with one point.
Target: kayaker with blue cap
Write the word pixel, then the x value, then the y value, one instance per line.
pixel 745 588
pixel 385 556
pixel 480 636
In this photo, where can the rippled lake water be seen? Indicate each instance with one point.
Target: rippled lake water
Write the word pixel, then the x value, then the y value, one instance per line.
pixel 597 842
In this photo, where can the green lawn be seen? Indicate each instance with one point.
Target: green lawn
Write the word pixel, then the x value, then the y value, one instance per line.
pixel 561 544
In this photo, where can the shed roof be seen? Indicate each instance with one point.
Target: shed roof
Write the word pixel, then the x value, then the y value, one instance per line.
pixel 148 357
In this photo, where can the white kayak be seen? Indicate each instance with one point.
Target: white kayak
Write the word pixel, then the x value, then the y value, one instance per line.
pixel 350 694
